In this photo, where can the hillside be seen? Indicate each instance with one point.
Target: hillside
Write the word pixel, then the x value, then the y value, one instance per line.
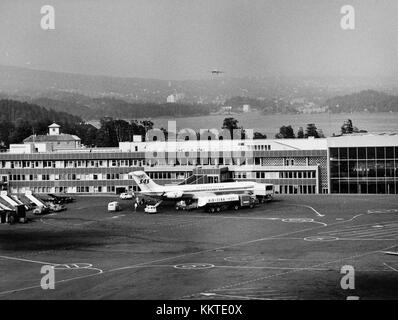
pixel 368 100
pixel 13 111
pixel 19 120
pixel 210 89
pixel 266 106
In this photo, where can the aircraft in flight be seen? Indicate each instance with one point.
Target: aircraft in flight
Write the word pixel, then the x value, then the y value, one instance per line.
pixel 216 71
pixel 151 189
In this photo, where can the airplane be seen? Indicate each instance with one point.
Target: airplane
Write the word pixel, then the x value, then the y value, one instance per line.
pixel 216 71
pixel 151 189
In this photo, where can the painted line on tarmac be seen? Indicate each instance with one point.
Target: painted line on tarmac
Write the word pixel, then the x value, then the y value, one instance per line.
pixel 293 220
pixel 382 211
pixel 233 217
pixel 27 260
pixel 73 266
pixel 306 206
pixel 214 249
pixel 196 253
pixel 113 217
pixel 360 226
pixel 55 282
pixel 209 294
pixel 388 266
pixel 339 239
pixel 223 247
pixel 272 268
pixel 194 266
pixel 201 266
pixel 321 238
pixel 391 253
pixel 291 271
pixel 57 266
pixel 303 220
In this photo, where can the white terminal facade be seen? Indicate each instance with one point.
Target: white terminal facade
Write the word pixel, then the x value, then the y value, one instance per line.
pixel 347 164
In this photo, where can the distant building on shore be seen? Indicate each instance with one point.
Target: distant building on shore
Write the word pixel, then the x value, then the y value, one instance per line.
pixel 52 141
pixel 175 97
pixel 246 108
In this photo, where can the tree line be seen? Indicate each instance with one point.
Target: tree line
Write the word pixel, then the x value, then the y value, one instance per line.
pixel 285 132
pixel 19 120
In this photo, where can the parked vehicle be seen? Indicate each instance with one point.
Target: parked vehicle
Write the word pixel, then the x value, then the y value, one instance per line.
pixel 61 199
pixel 41 210
pixel 230 201
pixel 264 192
pixel 55 207
pixel 152 208
pixel 114 206
pixel 126 196
pixel 186 205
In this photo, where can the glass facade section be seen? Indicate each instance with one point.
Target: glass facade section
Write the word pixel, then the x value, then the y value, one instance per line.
pixel 364 170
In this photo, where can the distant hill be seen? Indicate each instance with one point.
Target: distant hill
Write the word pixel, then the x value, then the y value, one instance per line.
pixel 20 81
pixel 368 100
pixel 19 120
pixel 92 97
pixel 95 108
pixel 266 106
pixel 13 111
pixel 64 106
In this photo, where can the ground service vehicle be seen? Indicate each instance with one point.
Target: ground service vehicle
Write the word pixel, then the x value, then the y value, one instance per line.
pixel 151 208
pixel 61 199
pixel 126 196
pixel 114 206
pixel 40 210
pixel 55 207
pixel 230 201
pixel 186 205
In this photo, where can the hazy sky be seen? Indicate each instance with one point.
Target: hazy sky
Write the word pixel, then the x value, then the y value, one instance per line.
pixel 185 39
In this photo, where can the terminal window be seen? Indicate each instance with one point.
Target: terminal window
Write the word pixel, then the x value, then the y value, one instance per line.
pixel 364 170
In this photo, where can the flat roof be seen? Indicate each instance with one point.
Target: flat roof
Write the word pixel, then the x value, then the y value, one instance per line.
pixel 364 140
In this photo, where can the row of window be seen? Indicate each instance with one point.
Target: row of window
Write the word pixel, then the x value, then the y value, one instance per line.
pixel 71 164
pixel 147 162
pixel 363 168
pixel 365 187
pixel 275 175
pixel 297 174
pixel 71 176
pixel 262 147
pixel 296 189
pixel 364 153
pixel 81 189
pixel 168 175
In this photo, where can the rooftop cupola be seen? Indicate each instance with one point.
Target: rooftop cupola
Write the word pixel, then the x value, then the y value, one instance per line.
pixel 53 130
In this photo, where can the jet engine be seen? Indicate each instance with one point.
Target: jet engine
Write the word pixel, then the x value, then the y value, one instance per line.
pixel 173 194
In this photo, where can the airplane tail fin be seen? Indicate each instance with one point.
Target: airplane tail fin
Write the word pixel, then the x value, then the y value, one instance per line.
pixel 143 181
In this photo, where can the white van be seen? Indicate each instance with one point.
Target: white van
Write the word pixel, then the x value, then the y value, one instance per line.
pixel 114 206
pixel 150 209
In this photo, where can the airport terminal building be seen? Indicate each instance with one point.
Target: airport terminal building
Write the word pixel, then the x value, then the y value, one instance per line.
pixel 345 164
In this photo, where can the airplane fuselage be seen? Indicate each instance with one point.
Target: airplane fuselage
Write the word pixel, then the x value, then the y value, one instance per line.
pixel 184 191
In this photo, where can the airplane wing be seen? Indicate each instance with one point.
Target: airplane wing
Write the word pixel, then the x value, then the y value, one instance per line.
pixel 199 195
pixel 390 253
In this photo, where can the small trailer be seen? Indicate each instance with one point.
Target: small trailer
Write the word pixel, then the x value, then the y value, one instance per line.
pixel 229 201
